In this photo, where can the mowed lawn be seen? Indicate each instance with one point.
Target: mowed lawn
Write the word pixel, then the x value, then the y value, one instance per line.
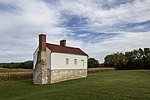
pixel 116 85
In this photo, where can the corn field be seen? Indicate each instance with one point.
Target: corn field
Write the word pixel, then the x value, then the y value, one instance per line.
pixel 15 76
pixel 94 70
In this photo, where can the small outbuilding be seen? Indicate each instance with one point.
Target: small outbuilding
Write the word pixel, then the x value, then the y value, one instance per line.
pixel 54 63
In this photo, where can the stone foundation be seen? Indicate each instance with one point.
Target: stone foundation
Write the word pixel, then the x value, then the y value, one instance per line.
pixel 59 75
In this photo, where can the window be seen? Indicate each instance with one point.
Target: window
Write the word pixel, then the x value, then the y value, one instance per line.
pixel 67 60
pixel 82 61
pixel 75 61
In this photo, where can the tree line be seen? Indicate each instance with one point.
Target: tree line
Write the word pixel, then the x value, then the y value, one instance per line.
pixel 136 59
pixel 24 65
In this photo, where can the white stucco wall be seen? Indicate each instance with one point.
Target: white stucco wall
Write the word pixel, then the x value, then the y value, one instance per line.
pixel 58 61
pixel 48 58
pixel 35 57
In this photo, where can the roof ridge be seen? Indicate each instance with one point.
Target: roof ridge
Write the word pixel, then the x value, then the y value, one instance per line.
pixel 63 46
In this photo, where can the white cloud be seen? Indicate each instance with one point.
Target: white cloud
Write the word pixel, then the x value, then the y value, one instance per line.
pixel 120 43
pixel 34 14
pixel 20 27
pixel 100 18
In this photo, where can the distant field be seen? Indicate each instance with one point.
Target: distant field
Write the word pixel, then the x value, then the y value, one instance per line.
pixel 115 85
pixel 5 70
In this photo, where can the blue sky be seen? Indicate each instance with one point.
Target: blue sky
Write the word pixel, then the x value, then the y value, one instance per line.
pixel 99 27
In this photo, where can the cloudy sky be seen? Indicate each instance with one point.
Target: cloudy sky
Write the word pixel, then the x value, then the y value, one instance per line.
pixel 99 27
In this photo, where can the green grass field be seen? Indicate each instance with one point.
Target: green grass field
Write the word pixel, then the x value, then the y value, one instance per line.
pixel 116 85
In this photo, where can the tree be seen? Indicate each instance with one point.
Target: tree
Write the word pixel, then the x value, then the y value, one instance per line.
pixel 92 63
pixel 146 58
pixel 116 60
pixel 109 61
pixel 136 59
pixel 25 65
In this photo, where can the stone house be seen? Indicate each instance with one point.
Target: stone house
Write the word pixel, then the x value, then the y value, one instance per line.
pixel 54 63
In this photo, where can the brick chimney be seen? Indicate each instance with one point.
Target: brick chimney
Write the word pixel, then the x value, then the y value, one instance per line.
pixel 42 42
pixel 63 43
pixel 40 74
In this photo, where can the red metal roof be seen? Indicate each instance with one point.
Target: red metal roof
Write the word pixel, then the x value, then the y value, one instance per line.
pixel 62 49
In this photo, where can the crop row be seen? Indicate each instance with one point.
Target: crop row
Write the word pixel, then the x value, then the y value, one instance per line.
pixel 94 70
pixel 15 76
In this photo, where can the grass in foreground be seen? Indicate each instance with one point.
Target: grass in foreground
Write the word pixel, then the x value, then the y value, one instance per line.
pixel 117 85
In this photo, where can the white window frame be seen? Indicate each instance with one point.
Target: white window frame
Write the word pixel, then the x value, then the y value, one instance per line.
pixel 82 61
pixel 75 62
pixel 67 61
